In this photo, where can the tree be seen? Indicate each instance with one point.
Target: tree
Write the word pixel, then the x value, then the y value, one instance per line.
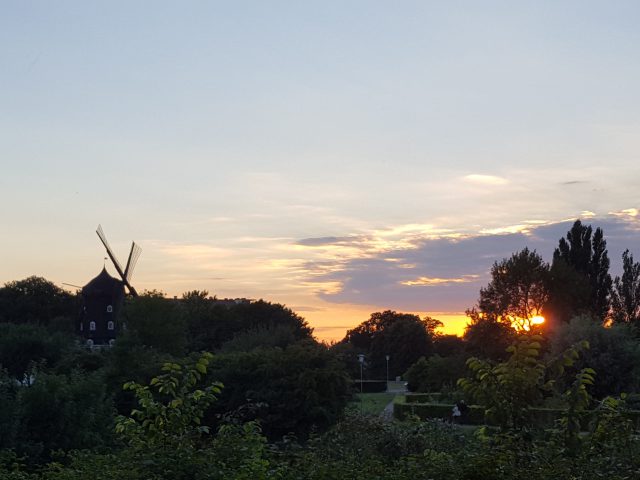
pixel 35 300
pixel 171 408
pixel 485 337
pixel 614 353
pixel 518 290
pixel 435 373
pixel 508 390
pixel 294 389
pixel 155 321
pixel 625 297
pixel 21 346
pixel 211 323
pixel 61 412
pixel 403 336
pixel 587 256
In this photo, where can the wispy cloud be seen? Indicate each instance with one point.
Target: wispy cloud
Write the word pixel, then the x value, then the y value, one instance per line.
pixel 450 268
pixel 485 179
pixel 429 281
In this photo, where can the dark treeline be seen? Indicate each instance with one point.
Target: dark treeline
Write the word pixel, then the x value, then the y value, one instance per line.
pixel 269 400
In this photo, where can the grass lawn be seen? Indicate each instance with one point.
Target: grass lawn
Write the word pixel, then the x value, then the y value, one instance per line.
pixel 370 403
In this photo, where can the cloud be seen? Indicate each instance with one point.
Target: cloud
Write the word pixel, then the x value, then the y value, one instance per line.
pixel 321 241
pixel 429 281
pixel 446 273
pixel 485 179
pixel 629 212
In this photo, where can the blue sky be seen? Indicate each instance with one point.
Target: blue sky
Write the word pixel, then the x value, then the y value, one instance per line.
pixel 225 136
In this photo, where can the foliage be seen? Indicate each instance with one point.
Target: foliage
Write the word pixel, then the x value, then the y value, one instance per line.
pixel 23 345
pixel 509 389
pixel 487 337
pixel 578 400
pixel 214 324
pixel 166 438
pixel 260 337
pixel 405 337
pixel 614 353
pixel 170 408
pixel 156 322
pixel 625 297
pixel 448 345
pixel 587 256
pixel 35 300
pixel 518 290
pixel 435 373
pixel 294 389
pixel 55 412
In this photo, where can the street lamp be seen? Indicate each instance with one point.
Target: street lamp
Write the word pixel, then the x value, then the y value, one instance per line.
pixel 387 357
pixel 361 360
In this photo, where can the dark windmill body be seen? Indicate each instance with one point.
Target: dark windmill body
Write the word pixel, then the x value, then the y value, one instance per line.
pixel 103 298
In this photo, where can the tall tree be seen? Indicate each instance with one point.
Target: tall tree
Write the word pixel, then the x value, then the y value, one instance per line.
pixel 518 290
pixel 625 297
pixel 600 280
pixel 580 274
pixel 405 337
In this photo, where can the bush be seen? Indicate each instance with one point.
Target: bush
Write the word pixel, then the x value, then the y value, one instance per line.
pixel 435 373
pixel 290 390
pixel 425 411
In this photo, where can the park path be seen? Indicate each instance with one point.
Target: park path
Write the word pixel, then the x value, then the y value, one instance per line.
pixel 387 413
pixel 392 387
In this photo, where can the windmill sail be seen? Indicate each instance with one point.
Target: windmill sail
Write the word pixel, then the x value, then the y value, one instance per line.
pixel 133 257
pixel 134 254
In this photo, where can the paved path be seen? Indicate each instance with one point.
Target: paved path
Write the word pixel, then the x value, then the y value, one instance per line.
pixel 387 413
pixel 398 388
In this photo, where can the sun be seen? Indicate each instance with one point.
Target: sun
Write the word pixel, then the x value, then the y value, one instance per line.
pixel 526 324
pixel 537 320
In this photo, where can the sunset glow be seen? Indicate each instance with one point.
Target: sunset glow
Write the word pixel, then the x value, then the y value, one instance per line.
pixel 537 320
pixel 335 162
pixel 525 324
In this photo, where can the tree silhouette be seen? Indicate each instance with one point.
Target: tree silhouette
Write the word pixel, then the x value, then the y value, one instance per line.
pixel 518 290
pixel 581 282
pixel 625 297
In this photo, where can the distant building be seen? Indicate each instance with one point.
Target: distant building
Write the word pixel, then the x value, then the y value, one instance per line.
pixel 102 300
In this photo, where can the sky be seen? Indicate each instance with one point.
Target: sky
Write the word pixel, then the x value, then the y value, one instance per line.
pixel 340 157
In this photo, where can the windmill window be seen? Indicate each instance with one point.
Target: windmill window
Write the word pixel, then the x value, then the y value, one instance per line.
pixel 92 326
pixel 110 325
pixel 81 326
pixel 109 309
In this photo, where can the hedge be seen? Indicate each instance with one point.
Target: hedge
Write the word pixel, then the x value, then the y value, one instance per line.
pixel 475 414
pixel 371 386
pixel 423 397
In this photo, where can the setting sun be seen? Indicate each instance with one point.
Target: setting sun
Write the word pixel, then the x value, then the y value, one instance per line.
pixel 537 320
pixel 525 324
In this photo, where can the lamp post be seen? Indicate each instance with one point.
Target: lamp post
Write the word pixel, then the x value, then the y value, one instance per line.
pixel 361 360
pixel 387 357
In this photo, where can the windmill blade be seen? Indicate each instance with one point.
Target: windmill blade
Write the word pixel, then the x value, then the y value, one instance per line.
pixel 114 260
pixel 103 239
pixel 134 255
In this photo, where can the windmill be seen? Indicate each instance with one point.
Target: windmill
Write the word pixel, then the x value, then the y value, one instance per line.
pixel 103 297
pixel 134 254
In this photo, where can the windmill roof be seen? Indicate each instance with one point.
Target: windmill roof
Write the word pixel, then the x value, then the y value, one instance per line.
pixel 103 283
